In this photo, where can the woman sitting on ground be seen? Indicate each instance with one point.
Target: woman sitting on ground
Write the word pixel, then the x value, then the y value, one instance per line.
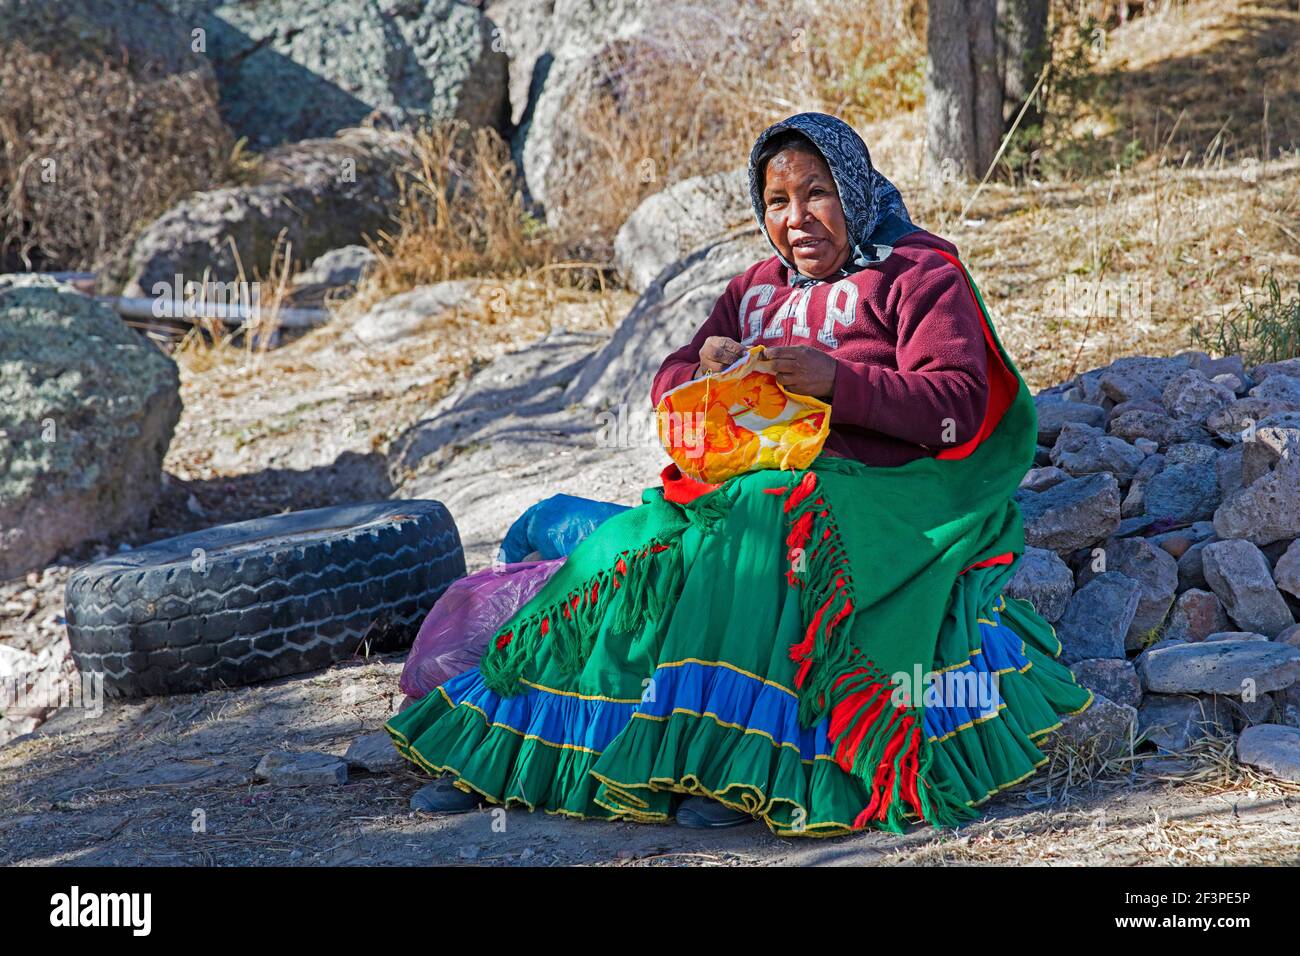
pixel 771 646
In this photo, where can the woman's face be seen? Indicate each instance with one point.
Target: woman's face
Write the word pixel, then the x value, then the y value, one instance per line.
pixel 803 215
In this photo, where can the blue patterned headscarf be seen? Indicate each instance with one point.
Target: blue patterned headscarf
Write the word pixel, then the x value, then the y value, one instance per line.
pixel 868 197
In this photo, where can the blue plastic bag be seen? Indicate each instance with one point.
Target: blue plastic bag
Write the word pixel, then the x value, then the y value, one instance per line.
pixel 554 527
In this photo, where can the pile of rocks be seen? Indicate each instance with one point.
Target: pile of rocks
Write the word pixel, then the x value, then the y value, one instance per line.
pixel 1160 527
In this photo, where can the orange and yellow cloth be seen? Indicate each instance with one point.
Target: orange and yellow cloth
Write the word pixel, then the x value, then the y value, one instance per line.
pixel 738 420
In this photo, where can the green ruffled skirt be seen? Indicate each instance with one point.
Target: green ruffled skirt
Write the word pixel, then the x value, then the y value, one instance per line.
pixel 705 702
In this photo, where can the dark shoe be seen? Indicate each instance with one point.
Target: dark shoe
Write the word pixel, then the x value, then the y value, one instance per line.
pixel 441 797
pixel 701 813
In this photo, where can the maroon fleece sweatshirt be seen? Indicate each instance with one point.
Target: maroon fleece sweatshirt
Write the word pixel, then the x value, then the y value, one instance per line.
pixel 906 333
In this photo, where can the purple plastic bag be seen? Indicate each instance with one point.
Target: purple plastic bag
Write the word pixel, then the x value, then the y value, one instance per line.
pixel 456 631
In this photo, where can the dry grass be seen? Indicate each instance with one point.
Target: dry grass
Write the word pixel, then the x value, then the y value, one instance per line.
pixel 1198 82
pixel 461 214
pixel 687 96
pixel 1178 245
pixel 1129 809
pixel 90 152
pixel 1191 241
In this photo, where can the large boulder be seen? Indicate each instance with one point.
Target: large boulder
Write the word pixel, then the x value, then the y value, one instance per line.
pixel 145 32
pixel 393 321
pixel 295 69
pixel 87 408
pixel 673 222
pixel 320 194
pixel 560 52
pixel 664 319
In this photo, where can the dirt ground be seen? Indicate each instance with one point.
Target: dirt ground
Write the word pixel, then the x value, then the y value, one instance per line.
pixel 132 786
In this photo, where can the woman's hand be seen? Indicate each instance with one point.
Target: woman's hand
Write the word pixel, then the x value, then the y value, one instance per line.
pixel 718 352
pixel 804 370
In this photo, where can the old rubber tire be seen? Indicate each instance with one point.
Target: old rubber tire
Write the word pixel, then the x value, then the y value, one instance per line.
pixel 246 602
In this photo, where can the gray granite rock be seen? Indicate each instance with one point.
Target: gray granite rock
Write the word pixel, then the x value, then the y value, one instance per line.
pixel 1231 421
pixel 375 753
pixel 1098 617
pixel 1158 427
pixel 1087 388
pixel 1135 405
pixel 1289 367
pixel 1234 383
pixel 1269 446
pixel 1272 748
pixel 1040 479
pixel 392 321
pixel 1286 571
pixel 1044 580
pixel 1191 567
pixel 283 769
pixel 1268 509
pixel 294 70
pixel 1134 502
pixel 1104 729
pixel 87 410
pixel 1236 713
pixel 1219 667
pixel 1113 679
pixel 1173 722
pixel 1072 514
pixel 1235 636
pixel 1183 492
pixel 1053 415
pixel 1192 453
pixel 1227 365
pixel 1136 525
pixel 1178 540
pixel 339 269
pixel 1239 574
pixel 300 196
pixel 1085 450
pixel 1142 376
pixel 1193 397
pixel 1289 635
pixel 671 224
pixel 1156 574
pixel 1278 388
pixel 146 34
pixel 1228 469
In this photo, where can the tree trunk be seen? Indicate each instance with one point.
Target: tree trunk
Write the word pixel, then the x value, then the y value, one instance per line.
pixel 1022 49
pixel 963 89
